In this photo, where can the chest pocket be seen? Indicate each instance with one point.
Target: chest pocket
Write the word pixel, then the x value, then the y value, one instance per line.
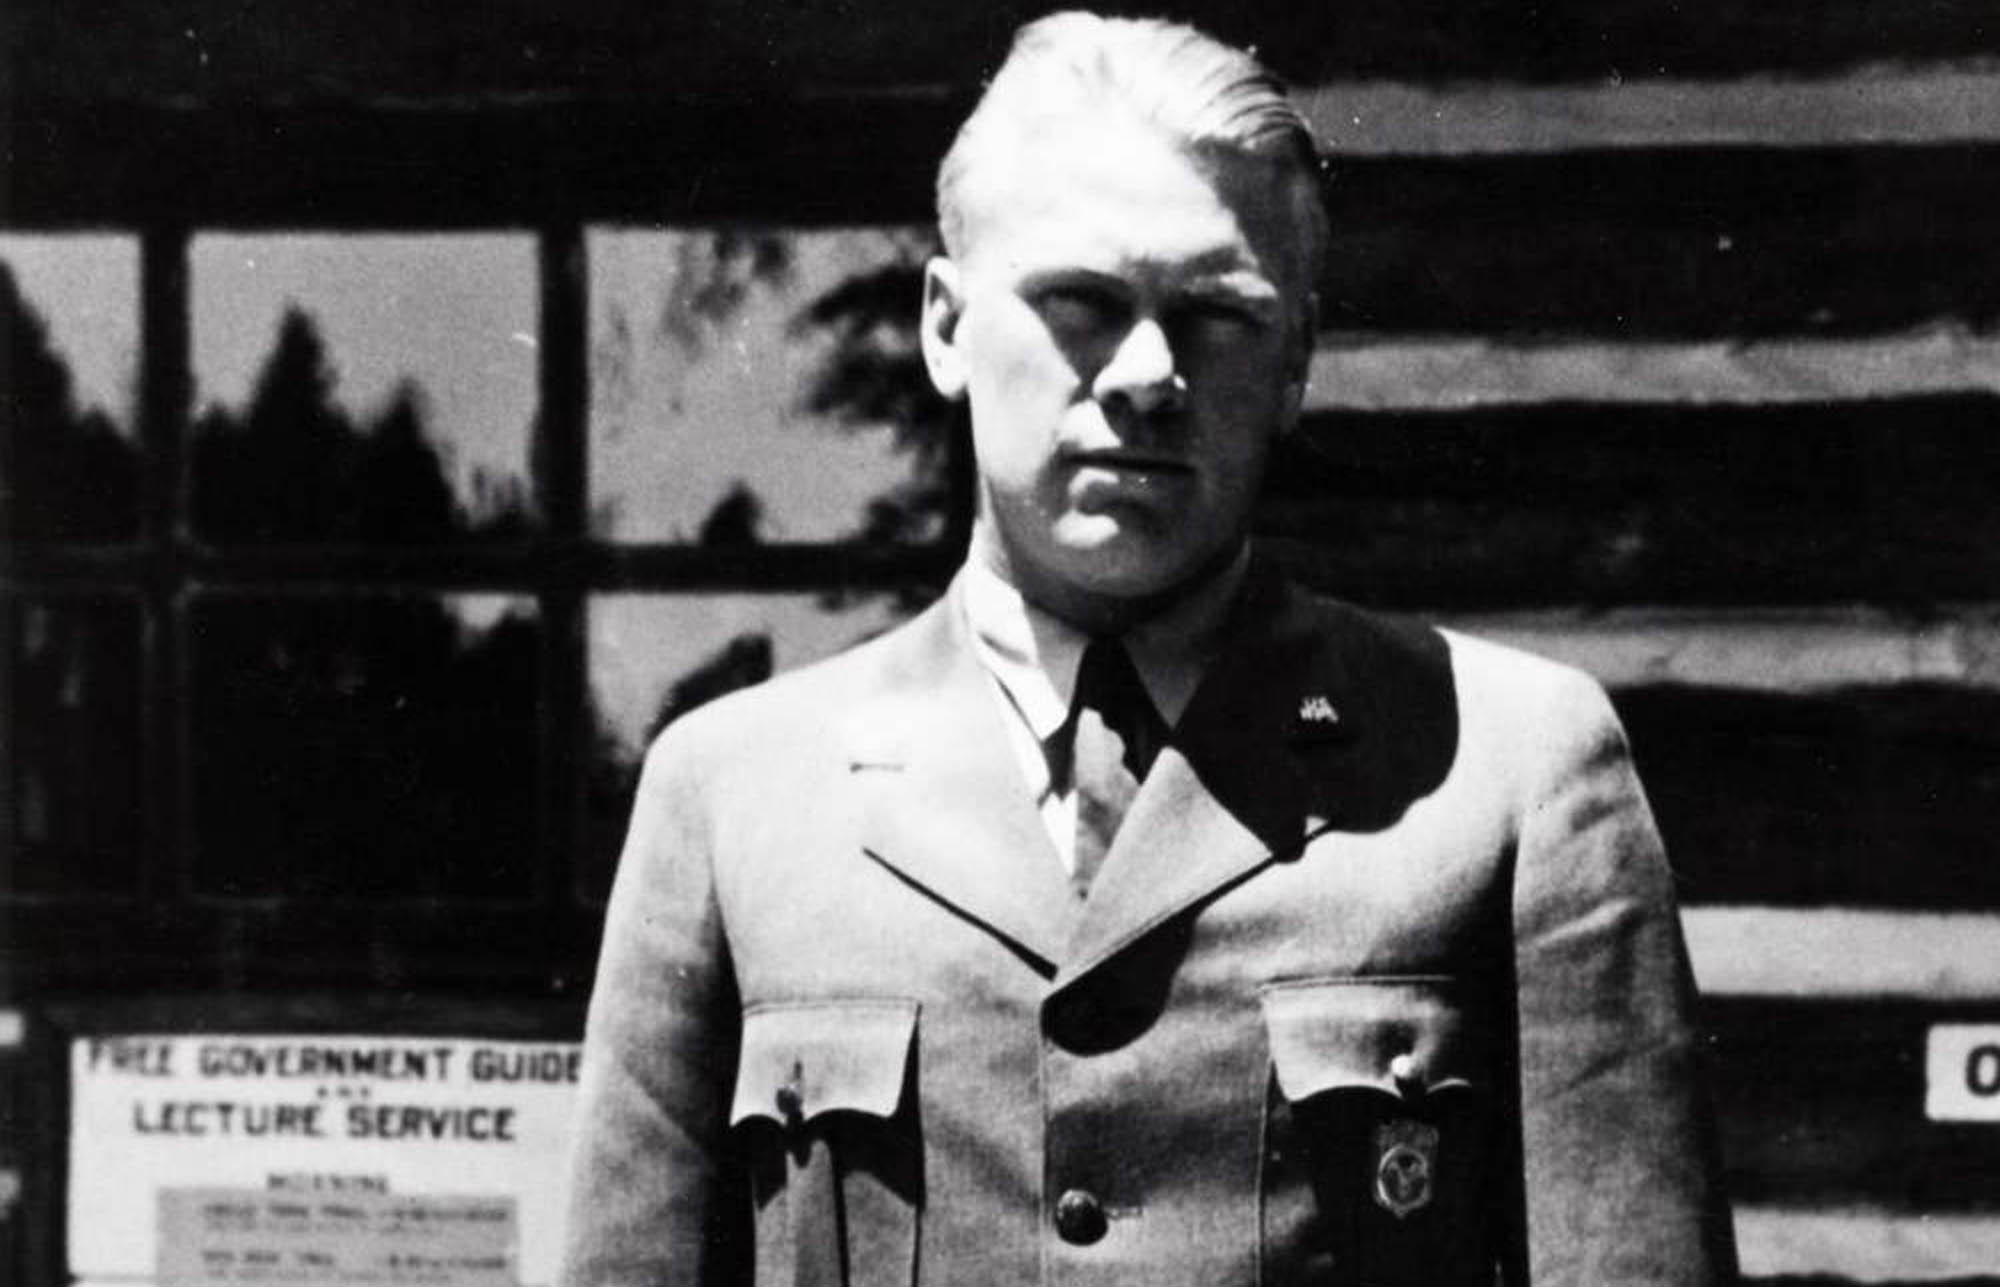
pixel 1381 1133
pixel 826 1114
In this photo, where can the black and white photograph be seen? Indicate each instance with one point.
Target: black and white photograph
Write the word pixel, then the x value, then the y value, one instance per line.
pixel 725 643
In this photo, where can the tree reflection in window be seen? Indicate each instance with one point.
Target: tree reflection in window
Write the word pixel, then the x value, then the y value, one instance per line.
pixel 766 375
pixel 441 355
pixel 69 473
pixel 294 466
pixel 872 375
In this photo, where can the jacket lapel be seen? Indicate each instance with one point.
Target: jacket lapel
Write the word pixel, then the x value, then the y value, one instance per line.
pixel 944 805
pixel 1274 749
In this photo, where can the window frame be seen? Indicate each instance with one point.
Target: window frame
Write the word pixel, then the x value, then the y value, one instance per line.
pixel 160 933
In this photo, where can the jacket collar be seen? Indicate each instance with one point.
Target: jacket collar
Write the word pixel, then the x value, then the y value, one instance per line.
pixel 1282 741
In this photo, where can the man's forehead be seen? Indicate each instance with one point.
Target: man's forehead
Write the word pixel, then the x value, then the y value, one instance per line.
pixel 1068 187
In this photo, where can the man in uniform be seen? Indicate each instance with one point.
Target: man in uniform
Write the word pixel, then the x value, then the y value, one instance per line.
pixel 1133 916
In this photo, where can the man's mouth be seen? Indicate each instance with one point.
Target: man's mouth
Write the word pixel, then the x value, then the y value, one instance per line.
pixel 1131 462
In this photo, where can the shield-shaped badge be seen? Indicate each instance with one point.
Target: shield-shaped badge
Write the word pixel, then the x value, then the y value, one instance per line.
pixel 1405 1166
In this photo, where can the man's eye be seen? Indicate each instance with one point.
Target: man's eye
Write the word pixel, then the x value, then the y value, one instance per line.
pixel 1221 312
pixel 1078 307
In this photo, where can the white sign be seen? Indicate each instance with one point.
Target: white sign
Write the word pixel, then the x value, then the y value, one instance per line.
pixel 1962 1073
pixel 253 1238
pixel 311 1115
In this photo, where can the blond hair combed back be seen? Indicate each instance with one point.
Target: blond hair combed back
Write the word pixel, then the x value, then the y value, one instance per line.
pixel 1197 91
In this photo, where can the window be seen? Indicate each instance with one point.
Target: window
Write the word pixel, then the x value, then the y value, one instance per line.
pixel 353 568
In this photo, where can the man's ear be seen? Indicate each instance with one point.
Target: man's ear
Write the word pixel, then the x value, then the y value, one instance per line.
pixel 1298 364
pixel 944 306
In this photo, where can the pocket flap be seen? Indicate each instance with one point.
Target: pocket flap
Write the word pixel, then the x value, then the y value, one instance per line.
pixel 1328 1034
pixel 811 1057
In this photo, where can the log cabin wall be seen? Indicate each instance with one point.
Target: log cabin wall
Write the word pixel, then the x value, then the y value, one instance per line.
pixel 1660 337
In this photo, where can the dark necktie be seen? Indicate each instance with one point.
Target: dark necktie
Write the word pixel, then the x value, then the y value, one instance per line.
pixel 1114 734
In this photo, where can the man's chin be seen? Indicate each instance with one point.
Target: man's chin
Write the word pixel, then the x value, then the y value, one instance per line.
pixel 1121 561
pixel 1125 576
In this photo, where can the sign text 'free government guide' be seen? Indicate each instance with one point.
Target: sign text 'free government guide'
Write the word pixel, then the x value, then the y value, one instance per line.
pixel 322 1161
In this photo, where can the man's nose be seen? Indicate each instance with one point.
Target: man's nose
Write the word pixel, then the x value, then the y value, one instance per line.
pixel 1141 378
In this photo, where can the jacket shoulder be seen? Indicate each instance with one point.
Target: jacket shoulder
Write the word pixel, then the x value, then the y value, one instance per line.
pixel 1527 689
pixel 1503 673
pixel 1550 724
pixel 1519 715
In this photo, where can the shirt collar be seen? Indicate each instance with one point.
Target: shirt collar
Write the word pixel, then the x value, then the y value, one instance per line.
pixel 1034 655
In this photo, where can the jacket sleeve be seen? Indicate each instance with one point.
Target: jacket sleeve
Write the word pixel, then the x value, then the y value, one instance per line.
pixel 653 1195
pixel 1619 1163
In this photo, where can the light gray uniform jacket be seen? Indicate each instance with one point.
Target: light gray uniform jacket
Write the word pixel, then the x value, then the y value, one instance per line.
pixel 1381 983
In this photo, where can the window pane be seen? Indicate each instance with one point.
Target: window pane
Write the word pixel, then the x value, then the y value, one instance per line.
pixel 762 386
pixel 69 699
pixel 656 657
pixel 365 747
pixel 363 388
pixel 69 346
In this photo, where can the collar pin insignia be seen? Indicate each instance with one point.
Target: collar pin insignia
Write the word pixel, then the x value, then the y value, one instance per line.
pixel 1318 710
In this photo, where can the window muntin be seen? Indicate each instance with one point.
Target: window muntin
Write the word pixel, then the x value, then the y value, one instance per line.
pixel 69 336
pixel 374 388
pixel 265 787
pixel 745 384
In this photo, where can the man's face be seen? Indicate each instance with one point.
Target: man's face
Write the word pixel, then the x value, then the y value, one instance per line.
pixel 1130 323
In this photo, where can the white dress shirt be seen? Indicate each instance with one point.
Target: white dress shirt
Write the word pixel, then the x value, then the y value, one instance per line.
pixel 1032 658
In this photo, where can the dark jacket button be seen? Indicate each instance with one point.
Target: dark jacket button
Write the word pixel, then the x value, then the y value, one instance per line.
pixel 1079 1217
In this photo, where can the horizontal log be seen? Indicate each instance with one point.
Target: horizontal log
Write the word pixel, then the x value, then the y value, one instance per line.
pixel 510 164
pixel 1693 243
pixel 1928 105
pixel 1887 500
pixel 1821 1107
pixel 1813 759
pixel 1804 650
pixel 1844 954
pixel 1868 1246
pixel 1842 1280
pixel 1819 758
pixel 452 49
pixel 1883 798
pixel 1442 374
